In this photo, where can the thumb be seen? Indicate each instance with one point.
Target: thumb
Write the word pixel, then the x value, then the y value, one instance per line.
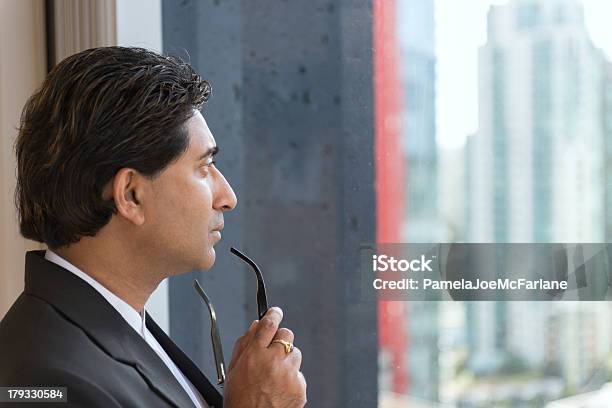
pixel 241 344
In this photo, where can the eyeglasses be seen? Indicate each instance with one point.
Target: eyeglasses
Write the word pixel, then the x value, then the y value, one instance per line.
pixel 262 308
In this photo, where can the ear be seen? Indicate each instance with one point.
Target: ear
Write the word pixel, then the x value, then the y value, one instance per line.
pixel 128 189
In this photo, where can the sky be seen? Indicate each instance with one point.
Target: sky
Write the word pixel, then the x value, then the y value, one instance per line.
pixel 460 30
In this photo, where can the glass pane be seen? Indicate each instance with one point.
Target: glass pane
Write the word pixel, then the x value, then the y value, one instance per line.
pixel 505 130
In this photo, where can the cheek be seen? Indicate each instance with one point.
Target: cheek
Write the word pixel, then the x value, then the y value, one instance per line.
pixel 184 203
pixel 195 204
pixel 171 204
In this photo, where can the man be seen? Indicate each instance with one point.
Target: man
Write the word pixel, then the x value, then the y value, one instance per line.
pixel 116 175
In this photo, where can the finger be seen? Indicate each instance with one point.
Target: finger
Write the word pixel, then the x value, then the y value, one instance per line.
pixel 295 358
pixel 244 340
pixel 284 334
pixel 267 327
pixel 241 344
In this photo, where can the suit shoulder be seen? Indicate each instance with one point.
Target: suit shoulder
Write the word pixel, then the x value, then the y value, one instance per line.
pixel 36 337
pixel 32 319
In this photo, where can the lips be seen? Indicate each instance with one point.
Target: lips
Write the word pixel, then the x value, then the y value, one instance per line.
pixel 217 231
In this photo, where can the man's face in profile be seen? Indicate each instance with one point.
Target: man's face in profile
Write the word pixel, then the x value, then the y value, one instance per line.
pixel 189 197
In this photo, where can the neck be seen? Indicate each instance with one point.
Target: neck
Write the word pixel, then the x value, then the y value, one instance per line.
pixel 128 274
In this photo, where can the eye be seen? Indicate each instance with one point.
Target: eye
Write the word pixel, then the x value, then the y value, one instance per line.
pixel 205 166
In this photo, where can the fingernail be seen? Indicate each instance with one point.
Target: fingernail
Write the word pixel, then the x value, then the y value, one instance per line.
pixel 253 324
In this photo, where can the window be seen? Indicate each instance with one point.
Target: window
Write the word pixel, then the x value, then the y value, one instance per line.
pixel 344 123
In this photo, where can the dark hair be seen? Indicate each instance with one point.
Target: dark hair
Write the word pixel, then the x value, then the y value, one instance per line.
pixel 98 111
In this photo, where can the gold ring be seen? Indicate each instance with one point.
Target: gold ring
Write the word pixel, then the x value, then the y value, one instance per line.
pixel 288 346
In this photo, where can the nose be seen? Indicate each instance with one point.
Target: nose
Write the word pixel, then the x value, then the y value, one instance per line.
pixel 225 198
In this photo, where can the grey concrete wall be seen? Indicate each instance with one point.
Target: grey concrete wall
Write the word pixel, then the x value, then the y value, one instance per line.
pixel 292 110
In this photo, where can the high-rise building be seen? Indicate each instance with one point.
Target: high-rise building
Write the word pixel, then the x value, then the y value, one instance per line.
pixel 537 160
pixel 416 40
pixel 581 344
pixel 453 191
pixel 418 62
pixel 607 132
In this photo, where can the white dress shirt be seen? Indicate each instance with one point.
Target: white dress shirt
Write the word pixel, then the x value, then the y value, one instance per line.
pixel 137 321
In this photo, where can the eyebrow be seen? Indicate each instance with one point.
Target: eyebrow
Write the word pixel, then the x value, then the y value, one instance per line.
pixel 209 153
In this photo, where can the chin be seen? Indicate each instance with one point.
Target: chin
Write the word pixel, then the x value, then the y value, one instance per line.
pixel 208 260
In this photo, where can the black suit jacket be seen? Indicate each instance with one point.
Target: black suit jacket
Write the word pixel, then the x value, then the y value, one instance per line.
pixel 62 332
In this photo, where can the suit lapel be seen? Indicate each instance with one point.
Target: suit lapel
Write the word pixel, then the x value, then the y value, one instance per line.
pixel 85 307
pixel 184 363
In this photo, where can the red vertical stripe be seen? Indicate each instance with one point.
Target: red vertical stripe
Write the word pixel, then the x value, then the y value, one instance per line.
pixel 389 177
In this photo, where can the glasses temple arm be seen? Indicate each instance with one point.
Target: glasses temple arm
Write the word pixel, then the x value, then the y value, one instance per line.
pixel 214 334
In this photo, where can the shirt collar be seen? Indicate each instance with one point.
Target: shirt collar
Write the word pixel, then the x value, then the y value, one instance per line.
pixel 134 318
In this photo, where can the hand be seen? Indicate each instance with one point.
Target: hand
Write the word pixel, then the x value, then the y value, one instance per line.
pixel 260 373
